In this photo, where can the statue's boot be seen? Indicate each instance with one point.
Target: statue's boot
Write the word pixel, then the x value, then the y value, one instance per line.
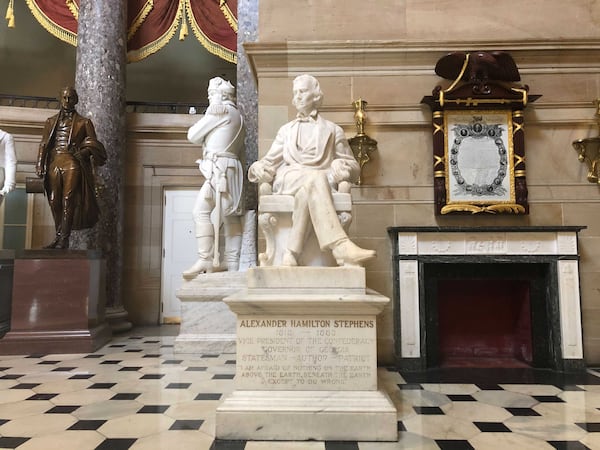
pixel 347 253
pixel 233 245
pixel 54 241
pixel 204 264
pixel 65 226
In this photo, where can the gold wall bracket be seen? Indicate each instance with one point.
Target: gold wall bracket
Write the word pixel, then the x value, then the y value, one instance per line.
pixel 588 151
pixel 361 144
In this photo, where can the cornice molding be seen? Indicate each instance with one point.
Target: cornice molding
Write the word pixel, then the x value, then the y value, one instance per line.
pixel 334 58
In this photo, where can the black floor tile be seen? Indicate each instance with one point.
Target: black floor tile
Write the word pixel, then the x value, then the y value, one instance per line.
pixel 152 376
pixel 568 445
pixel 2 369
pixel 458 444
pixel 116 444
pixel 118 345
pixel 224 376
pixel 341 445
pixel 401 426
pixel 48 362
pixel 63 369
pixel 151 355
pixel 12 442
pixel 186 425
pixel 129 369
pixel 492 427
pixel 25 386
pixel 112 361
pixel 410 387
pixel 3 421
pixel 41 396
pixel 82 376
pixel 196 369
pixel 173 361
pixel 548 399
pixel 230 361
pixel 210 356
pixel 11 376
pixel 461 398
pixel 227 445
pixel 489 387
pixel 428 410
pixel 151 342
pixel 153 409
pixel 87 425
pixel 590 427
pixel 93 356
pixel 178 385
pixel 125 396
pixel 521 412
pixel 101 385
pixel 208 396
pixel 133 350
pixel 63 409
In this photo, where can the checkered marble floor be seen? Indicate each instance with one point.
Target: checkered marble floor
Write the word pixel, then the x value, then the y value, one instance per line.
pixel 136 393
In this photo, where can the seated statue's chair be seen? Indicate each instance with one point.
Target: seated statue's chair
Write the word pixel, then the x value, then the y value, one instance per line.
pixel 275 221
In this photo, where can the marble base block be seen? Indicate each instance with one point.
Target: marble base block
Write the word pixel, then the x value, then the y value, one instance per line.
pixel 207 324
pixel 307 415
pixel 58 303
pixel 306 358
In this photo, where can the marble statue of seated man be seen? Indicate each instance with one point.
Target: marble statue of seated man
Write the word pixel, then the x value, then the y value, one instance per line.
pixel 309 160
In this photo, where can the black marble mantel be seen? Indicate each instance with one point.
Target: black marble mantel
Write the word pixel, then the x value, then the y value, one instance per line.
pixel 433 267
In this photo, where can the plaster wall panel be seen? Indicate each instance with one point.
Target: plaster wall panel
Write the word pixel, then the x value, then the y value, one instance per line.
pixel 330 19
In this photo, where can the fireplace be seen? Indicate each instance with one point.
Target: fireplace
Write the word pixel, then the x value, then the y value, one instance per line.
pixel 487 297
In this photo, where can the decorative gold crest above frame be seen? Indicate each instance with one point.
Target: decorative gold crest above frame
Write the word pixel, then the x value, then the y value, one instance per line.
pixel 478 137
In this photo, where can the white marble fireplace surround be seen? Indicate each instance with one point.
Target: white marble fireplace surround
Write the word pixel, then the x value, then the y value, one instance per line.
pixel 415 246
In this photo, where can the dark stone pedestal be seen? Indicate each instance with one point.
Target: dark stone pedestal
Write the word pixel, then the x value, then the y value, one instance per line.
pixel 7 260
pixel 58 303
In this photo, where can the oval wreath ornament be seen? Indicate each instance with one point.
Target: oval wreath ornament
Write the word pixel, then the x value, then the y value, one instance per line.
pixel 478 129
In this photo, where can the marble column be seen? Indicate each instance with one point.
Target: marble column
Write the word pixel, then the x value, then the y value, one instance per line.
pixel 247 101
pixel 100 83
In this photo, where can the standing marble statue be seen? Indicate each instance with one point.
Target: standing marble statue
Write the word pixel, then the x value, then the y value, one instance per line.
pixel 220 133
pixel 67 155
pixel 309 159
pixel 8 164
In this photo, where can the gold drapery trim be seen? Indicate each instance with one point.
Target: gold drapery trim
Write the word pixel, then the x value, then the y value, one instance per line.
pixel 73 8
pixel 184 9
pixel 10 14
pixel 184 26
pixel 139 19
pixel 208 44
pixel 55 30
pixel 153 47
pixel 229 16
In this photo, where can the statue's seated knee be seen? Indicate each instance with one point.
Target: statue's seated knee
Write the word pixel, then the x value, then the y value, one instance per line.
pixel 275 221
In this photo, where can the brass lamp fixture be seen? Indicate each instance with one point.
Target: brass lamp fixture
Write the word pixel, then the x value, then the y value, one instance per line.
pixel 361 144
pixel 589 151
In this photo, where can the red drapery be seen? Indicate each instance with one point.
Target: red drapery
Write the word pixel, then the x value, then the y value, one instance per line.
pixel 151 24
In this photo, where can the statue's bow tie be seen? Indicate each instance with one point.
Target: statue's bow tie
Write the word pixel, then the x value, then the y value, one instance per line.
pixel 305 119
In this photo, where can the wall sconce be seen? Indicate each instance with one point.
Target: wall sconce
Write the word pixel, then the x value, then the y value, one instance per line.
pixel 589 152
pixel 361 144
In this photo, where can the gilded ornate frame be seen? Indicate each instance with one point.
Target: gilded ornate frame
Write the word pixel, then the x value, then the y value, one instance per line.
pixel 493 105
pixel 479 156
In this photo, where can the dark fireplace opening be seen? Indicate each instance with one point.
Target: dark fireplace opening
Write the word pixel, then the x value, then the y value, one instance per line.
pixel 484 323
pixel 501 314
